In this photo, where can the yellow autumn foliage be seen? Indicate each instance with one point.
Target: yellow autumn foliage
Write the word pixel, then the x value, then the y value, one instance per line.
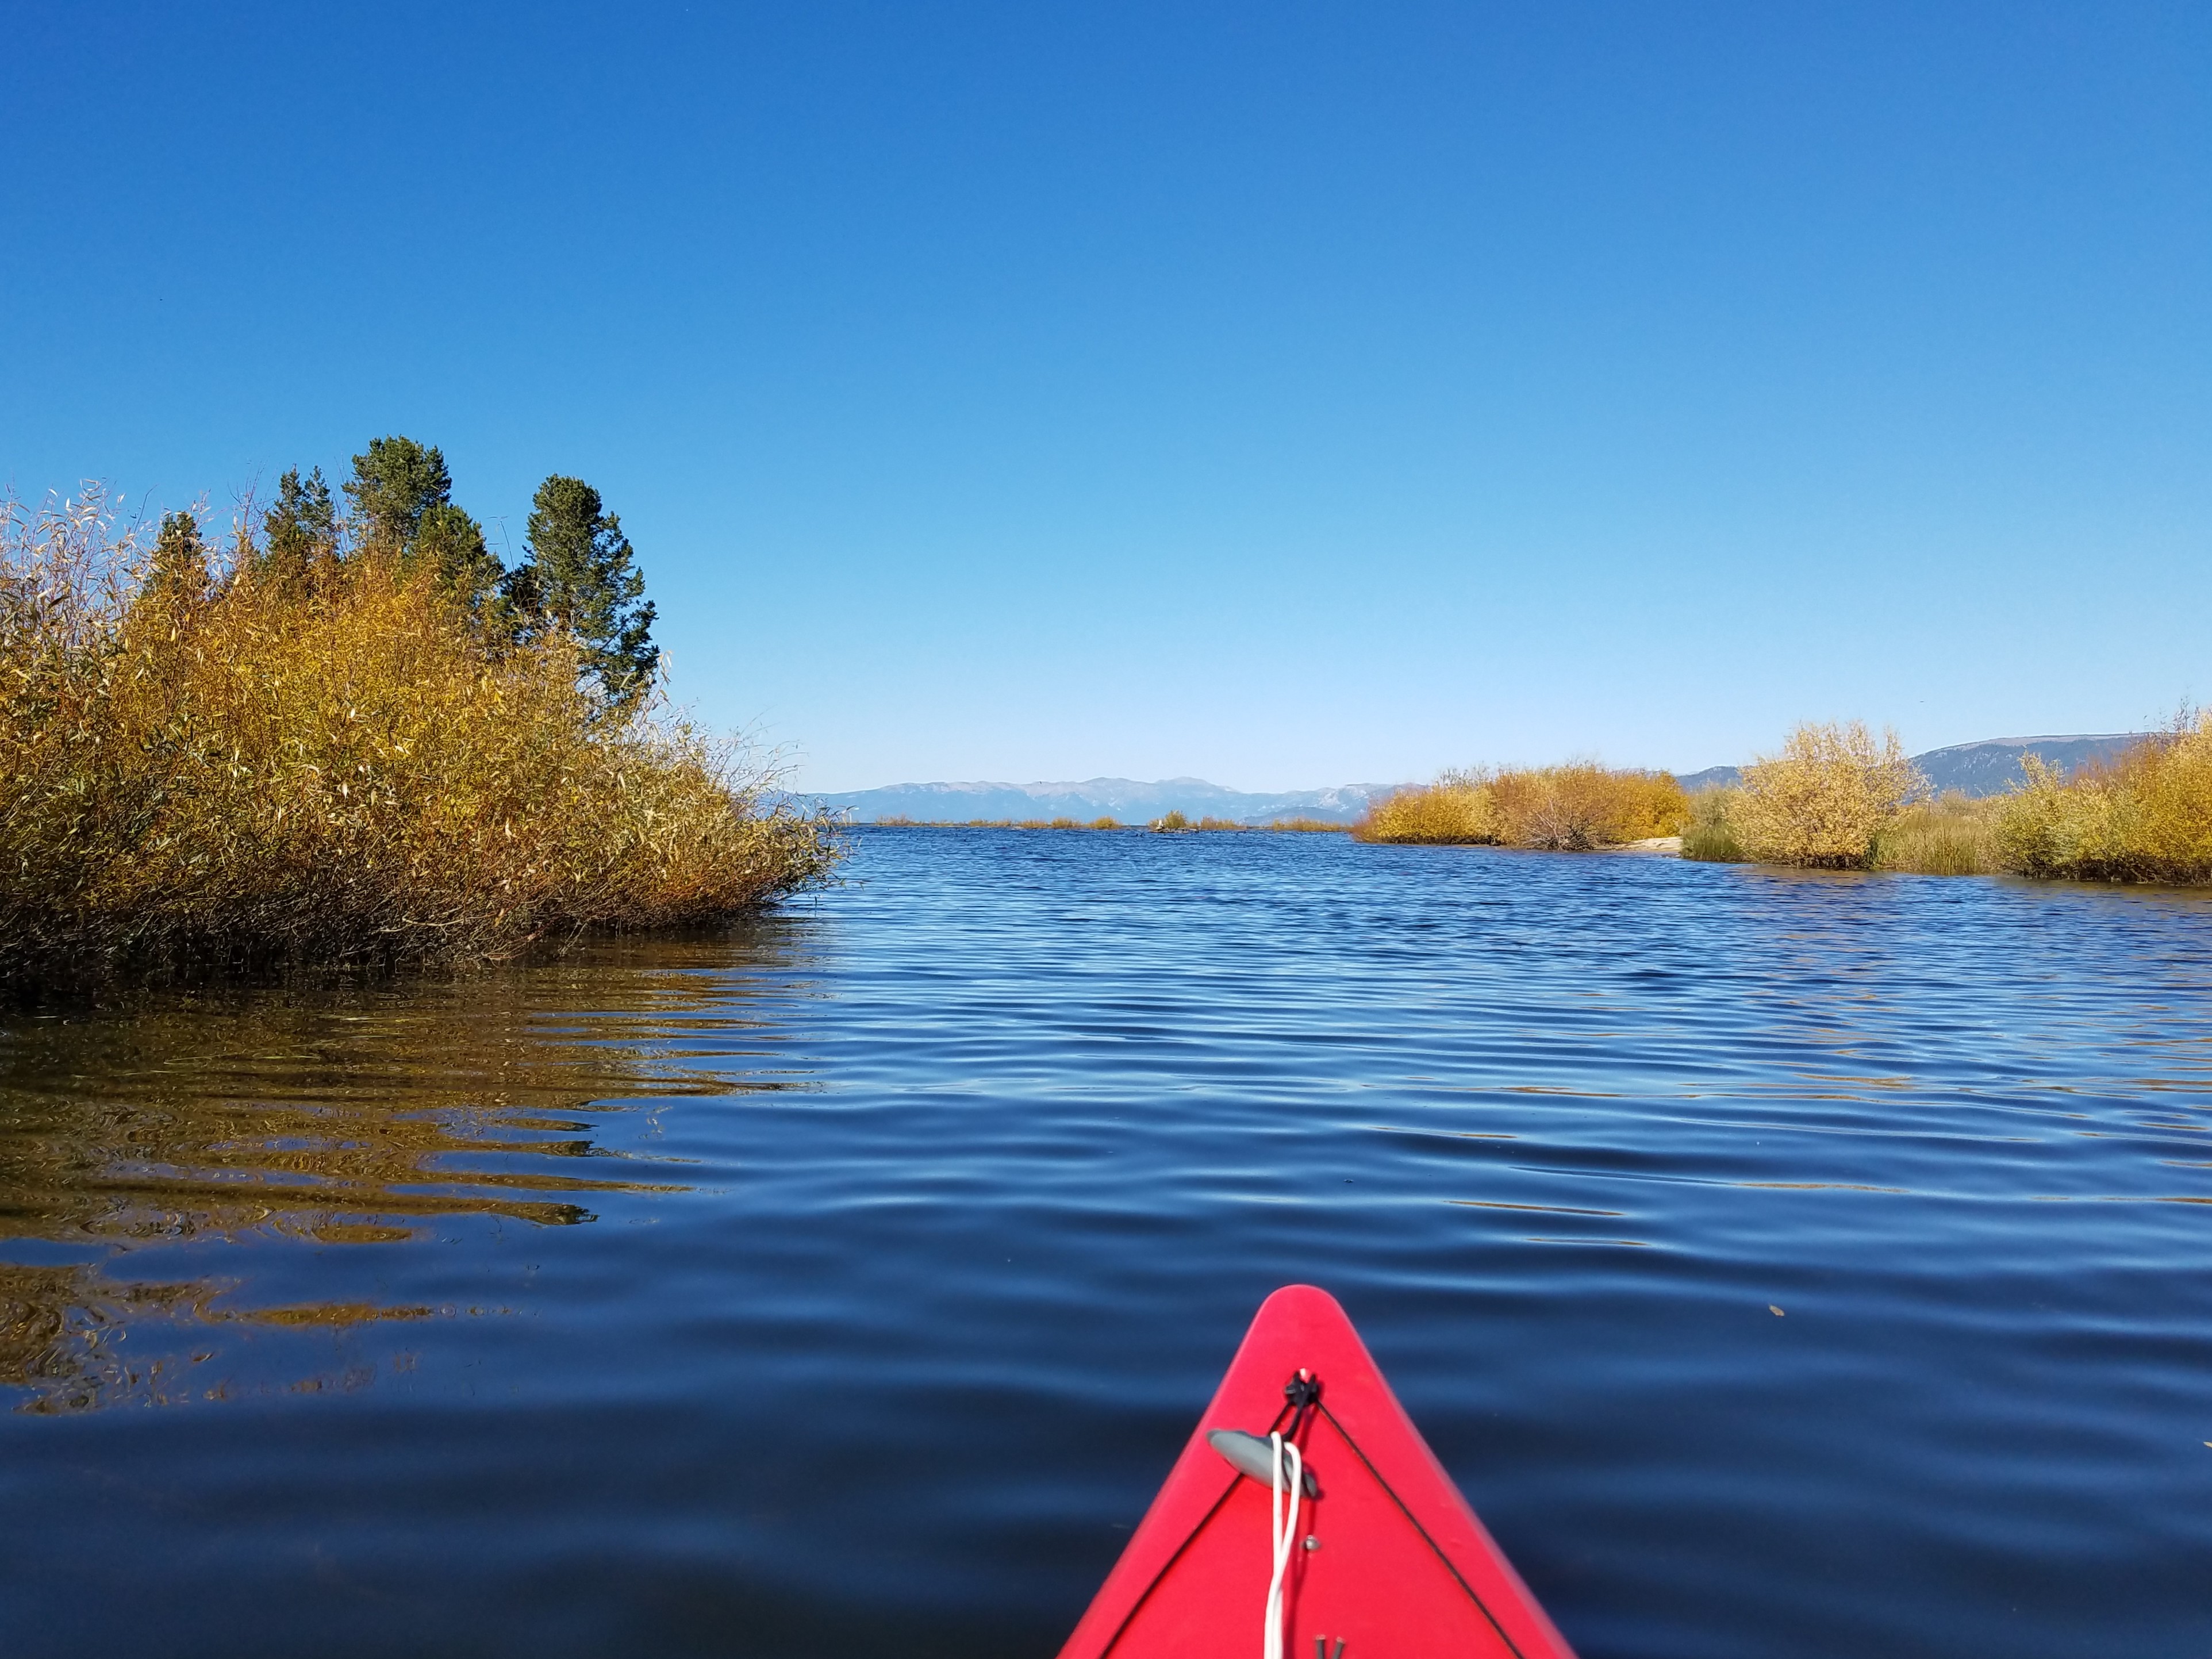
pixel 2145 816
pixel 1570 808
pixel 226 771
pixel 1824 800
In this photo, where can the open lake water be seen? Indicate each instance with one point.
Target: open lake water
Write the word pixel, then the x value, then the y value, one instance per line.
pixel 1782 1264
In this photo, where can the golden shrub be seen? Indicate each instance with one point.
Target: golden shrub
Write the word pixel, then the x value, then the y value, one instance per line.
pixel 2145 815
pixel 1825 798
pixel 1456 810
pixel 1571 808
pixel 227 770
pixel 1577 807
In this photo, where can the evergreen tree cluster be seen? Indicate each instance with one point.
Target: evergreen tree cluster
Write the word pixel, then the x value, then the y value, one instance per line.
pixel 578 570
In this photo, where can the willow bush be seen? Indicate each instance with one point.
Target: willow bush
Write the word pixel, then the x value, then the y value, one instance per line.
pixel 204 763
pixel 2144 816
pixel 1455 811
pixel 1577 807
pixel 1571 808
pixel 1823 802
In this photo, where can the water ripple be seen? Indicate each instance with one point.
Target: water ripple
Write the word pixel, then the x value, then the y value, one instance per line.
pixel 1782 1264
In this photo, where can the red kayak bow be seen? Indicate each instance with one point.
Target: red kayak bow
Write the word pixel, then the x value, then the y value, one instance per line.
pixel 1307 1515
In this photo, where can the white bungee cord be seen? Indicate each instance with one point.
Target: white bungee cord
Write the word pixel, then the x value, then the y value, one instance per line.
pixel 1284 1528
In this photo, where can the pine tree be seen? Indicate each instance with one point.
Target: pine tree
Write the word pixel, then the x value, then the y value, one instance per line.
pixel 394 487
pixel 300 531
pixel 403 497
pixel 179 569
pixel 579 575
pixel 453 544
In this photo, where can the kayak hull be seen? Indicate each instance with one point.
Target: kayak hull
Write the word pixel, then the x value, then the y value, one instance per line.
pixel 1390 1562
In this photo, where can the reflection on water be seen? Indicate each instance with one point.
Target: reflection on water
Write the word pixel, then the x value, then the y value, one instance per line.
pixel 57 1327
pixel 62 1340
pixel 359 1115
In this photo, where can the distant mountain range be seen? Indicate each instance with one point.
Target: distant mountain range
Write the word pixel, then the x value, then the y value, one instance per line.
pixel 1987 768
pixel 1101 797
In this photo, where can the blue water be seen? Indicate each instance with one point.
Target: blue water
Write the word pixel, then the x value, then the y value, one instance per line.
pixel 1805 1265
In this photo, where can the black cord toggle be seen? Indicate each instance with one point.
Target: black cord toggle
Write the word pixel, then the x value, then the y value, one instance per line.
pixel 1303 1392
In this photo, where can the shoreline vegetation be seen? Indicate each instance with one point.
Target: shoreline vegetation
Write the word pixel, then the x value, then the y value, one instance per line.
pixel 1835 797
pixel 1832 798
pixel 352 737
pixel 1579 807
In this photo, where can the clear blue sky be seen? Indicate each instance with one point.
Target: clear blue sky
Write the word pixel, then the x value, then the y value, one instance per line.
pixel 1281 394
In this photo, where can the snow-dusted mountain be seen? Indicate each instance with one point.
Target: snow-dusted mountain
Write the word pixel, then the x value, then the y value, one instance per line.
pixel 1125 798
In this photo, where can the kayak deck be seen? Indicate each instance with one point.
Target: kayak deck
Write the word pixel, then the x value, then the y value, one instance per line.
pixel 1390 1562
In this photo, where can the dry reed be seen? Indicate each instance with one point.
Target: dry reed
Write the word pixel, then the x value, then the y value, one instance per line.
pixel 1952 836
pixel 1707 836
pixel 203 765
